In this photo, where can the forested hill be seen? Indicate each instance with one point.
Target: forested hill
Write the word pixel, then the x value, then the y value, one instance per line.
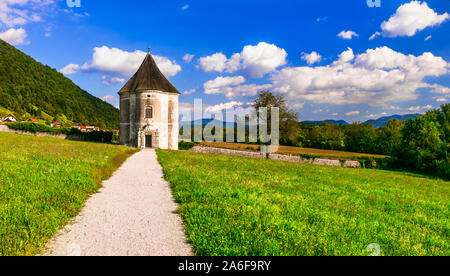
pixel 30 88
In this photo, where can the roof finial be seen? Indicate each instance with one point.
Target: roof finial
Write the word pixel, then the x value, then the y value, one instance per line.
pixel 149 50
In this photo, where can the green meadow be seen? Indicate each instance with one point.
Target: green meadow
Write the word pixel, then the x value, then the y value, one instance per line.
pixel 44 182
pixel 240 206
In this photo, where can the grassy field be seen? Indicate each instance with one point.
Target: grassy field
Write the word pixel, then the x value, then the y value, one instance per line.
pixel 44 182
pixel 240 206
pixel 294 150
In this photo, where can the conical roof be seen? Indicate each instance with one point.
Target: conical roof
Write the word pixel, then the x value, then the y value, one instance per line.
pixel 149 77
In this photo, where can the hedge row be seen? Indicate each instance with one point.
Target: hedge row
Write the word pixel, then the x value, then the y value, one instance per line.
pixel 95 136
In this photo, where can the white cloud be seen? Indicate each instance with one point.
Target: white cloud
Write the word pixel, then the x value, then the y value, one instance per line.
pixel 20 12
pixel 440 100
pixel 374 35
pixel 376 116
pixel 70 69
pixel 296 105
pixel 111 81
pixel 254 61
pixel 420 109
pixel 223 106
pixel 411 18
pixel 311 58
pixel 216 62
pixel 114 61
pixel 189 92
pixel 213 86
pixel 108 98
pixel 188 58
pixel 428 38
pixel 231 87
pixel 378 77
pixel 14 36
pixel 347 34
pixel 439 89
pixel 352 113
pixel 185 7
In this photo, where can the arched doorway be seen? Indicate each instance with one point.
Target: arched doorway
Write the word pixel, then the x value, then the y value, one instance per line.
pixel 148 137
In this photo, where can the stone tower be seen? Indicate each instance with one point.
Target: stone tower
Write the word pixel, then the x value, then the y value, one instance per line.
pixel 149 109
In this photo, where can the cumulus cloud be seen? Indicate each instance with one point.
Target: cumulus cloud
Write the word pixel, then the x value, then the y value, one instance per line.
pixel 231 87
pixel 14 36
pixel 311 58
pixel 188 58
pixel 347 34
pixel 411 18
pixel 108 98
pixel 111 81
pixel 439 89
pixel 19 12
pixel 222 106
pixel 70 69
pixel 378 77
pixel 214 86
pixel 253 61
pixel 420 109
pixel 352 113
pixel 189 92
pixel 117 62
pixel 216 62
pixel 296 105
pixel 440 100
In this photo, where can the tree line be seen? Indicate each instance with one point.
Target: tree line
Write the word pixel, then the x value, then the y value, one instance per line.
pixel 418 144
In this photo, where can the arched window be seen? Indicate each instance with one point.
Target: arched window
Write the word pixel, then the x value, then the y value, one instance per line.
pixel 148 112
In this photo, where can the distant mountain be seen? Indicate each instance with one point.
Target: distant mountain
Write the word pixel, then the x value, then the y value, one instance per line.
pixel 384 120
pixel 377 123
pixel 334 122
pixel 30 88
pixel 207 121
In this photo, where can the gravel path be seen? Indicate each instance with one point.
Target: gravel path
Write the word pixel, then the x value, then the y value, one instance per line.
pixel 133 214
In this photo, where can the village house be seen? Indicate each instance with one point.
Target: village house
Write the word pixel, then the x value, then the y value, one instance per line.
pixel 55 124
pixel 33 120
pixel 149 109
pixel 9 119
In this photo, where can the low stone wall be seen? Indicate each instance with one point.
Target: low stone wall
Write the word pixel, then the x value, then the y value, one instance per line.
pixel 4 128
pixel 281 157
pixel 251 154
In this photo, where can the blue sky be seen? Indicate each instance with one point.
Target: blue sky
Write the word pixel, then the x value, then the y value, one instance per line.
pixel 237 48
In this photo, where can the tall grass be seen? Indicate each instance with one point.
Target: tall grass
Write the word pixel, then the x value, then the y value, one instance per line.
pixel 44 182
pixel 241 206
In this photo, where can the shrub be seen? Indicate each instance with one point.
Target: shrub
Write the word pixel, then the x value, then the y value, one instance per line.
pixel 35 127
pixel 182 145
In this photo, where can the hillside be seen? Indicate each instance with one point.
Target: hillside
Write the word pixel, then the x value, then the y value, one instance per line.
pixel 376 122
pixel 30 88
pixel 333 122
pixel 384 120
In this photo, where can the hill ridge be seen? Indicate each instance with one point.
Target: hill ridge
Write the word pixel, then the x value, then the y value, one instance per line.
pixel 30 88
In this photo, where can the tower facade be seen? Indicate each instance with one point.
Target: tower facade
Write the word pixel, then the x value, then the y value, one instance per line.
pixel 149 109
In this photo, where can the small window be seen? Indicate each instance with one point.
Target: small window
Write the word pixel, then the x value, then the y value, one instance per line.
pixel 148 112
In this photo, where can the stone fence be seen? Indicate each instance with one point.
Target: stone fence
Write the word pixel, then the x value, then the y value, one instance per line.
pixel 281 157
